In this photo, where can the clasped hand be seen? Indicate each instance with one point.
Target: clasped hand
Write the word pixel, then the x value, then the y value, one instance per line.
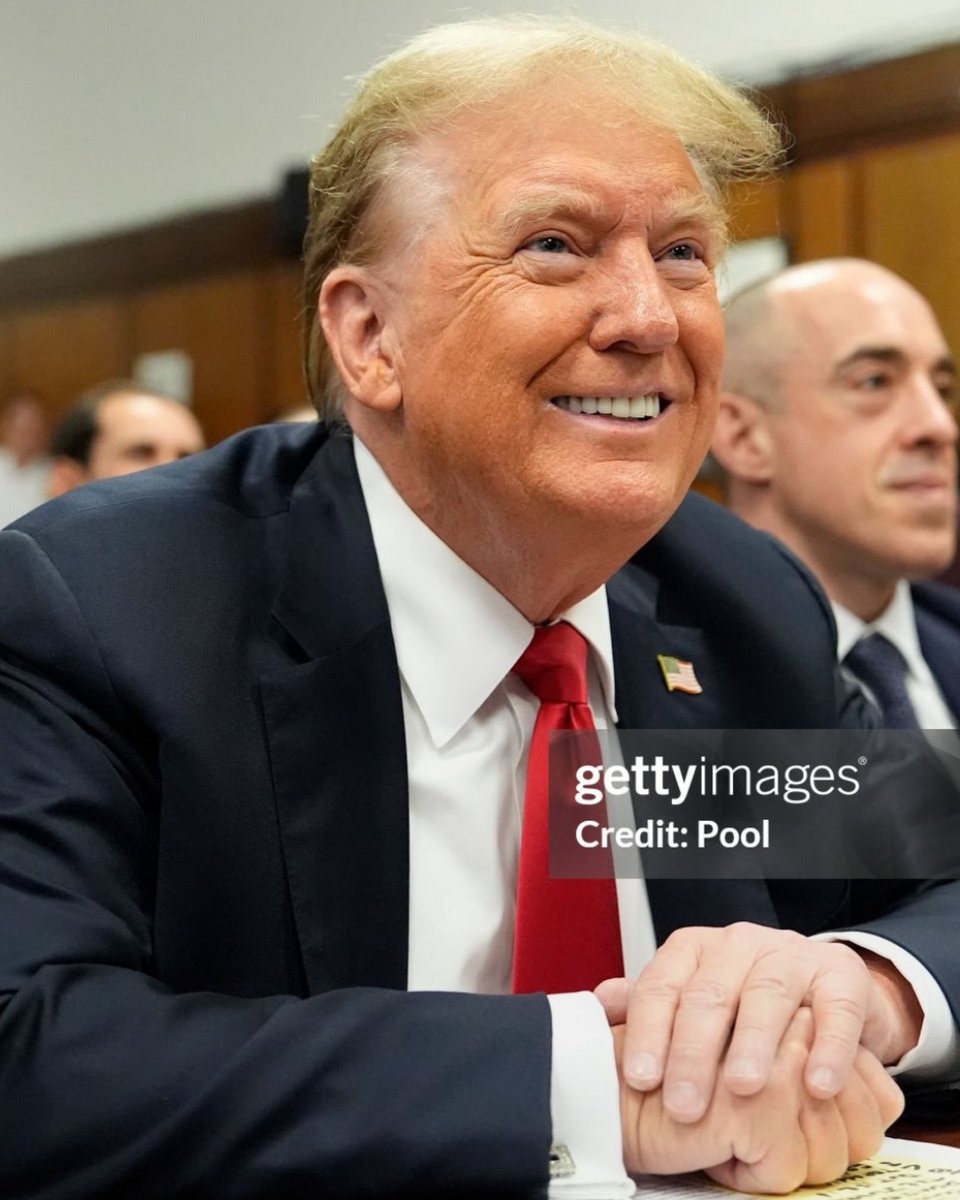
pixel 756 1054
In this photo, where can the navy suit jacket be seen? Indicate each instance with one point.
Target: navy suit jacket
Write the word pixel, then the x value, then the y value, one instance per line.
pixel 937 610
pixel 203 837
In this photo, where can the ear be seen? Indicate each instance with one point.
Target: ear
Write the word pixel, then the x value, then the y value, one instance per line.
pixel 742 443
pixel 352 309
pixel 65 474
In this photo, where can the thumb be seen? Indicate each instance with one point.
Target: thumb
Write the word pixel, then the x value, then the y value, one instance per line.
pixel 612 994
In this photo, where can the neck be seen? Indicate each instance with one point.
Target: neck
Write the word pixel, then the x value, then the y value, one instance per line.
pixel 864 593
pixel 543 560
pixel 865 598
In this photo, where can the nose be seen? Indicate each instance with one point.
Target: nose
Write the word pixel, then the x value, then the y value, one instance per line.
pixel 635 308
pixel 932 422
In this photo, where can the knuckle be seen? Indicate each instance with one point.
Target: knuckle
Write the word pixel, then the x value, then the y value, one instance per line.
pixel 707 994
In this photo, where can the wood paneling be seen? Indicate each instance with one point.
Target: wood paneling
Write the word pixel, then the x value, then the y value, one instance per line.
pixel 7 382
pixel 820 202
pixel 845 110
pixel 239 237
pixel 755 209
pixel 911 219
pixel 284 332
pixel 218 323
pixel 60 350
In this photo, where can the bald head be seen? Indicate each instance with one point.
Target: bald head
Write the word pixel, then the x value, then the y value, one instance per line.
pixel 772 325
pixel 836 425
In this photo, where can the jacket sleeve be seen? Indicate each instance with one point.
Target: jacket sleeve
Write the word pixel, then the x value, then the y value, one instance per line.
pixel 111 1083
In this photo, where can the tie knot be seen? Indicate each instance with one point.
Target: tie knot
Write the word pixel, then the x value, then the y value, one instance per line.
pixel 554 665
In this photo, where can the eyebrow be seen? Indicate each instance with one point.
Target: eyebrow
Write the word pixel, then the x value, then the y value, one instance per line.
pixel 896 357
pixel 567 200
pixel 563 201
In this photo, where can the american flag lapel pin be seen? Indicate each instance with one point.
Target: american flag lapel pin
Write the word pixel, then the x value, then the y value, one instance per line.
pixel 679 675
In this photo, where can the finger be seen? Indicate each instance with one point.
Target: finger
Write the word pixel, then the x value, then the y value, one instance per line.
pixel 770 1150
pixel 885 1090
pixel 652 1007
pixel 772 993
pixel 825 1131
pixel 704 1017
pixel 840 999
pixel 859 1106
pixel 614 995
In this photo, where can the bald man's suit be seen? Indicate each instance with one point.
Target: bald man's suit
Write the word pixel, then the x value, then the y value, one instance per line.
pixel 203 837
pixel 936 607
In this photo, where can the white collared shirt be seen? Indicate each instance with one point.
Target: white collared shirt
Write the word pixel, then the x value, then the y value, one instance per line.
pixel 468 730
pixel 898 624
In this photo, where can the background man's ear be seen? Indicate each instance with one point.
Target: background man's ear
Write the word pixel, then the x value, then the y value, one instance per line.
pixel 741 442
pixel 65 474
pixel 351 310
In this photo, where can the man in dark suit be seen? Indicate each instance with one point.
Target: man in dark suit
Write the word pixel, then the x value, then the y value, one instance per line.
pixel 264 747
pixel 837 432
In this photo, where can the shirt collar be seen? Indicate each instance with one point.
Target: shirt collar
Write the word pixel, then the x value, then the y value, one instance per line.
pixel 897 623
pixel 442 611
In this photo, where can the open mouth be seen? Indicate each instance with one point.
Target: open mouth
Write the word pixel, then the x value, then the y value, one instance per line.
pixel 626 408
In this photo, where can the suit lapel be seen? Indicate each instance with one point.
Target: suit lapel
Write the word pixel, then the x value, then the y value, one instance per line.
pixel 937 630
pixel 640 634
pixel 333 722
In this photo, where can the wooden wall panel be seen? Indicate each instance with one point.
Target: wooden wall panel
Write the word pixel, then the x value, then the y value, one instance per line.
pixel 218 322
pixel 755 209
pixel 911 219
pixel 820 210
pixel 7 384
pixel 61 349
pixel 284 332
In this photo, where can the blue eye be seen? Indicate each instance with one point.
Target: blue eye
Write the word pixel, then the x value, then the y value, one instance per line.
pixel 549 243
pixel 683 252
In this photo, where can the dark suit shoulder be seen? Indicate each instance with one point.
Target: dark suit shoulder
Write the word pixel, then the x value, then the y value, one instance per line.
pixel 938 599
pixel 704 553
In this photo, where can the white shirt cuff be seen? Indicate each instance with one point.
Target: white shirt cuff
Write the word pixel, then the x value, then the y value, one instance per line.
pixel 585 1101
pixel 937 1053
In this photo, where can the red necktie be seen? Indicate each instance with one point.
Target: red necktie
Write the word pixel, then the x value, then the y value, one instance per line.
pixel 567 935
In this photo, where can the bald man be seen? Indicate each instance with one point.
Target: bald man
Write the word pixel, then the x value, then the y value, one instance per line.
pixel 837 432
pixel 117 428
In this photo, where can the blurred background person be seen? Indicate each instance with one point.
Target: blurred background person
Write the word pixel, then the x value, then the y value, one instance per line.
pixel 24 438
pixel 117 428
pixel 837 433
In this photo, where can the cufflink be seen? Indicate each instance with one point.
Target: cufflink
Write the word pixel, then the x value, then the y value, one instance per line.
pixel 562 1165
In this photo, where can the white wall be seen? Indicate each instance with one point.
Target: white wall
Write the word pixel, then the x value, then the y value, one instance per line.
pixel 117 112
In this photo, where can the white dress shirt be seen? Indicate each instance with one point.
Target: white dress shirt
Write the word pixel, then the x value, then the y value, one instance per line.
pixel 468 730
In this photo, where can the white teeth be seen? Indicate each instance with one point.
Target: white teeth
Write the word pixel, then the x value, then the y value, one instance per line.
pixel 630 407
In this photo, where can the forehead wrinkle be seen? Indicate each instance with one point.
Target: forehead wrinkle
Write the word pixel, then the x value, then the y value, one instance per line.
pixel 546 201
pixel 676 207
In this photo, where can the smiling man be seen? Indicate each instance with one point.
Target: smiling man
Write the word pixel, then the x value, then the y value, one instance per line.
pixel 273 880
pixel 838 434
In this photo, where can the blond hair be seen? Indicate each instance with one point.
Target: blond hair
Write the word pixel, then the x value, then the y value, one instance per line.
pixel 453 68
